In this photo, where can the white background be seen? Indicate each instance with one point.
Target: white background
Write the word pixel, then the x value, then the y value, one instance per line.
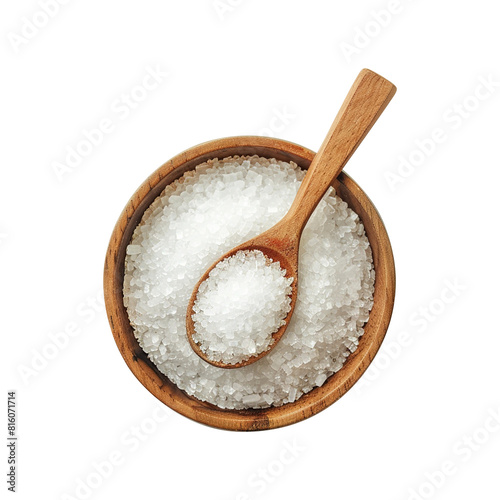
pixel 231 69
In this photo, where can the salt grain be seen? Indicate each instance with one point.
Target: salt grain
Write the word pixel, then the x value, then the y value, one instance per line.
pixel 201 216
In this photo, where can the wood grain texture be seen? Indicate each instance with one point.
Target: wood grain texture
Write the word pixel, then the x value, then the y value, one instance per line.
pixel 365 102
pixel 157 383
pixel 367 98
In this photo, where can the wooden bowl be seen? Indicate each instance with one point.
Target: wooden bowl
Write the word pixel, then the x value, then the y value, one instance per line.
pixel 157 383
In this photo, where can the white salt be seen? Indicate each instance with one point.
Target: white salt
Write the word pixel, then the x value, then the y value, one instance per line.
pixel 203 215
pixel 244 300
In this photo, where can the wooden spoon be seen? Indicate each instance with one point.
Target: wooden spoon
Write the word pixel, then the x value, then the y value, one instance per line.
pixel 367 98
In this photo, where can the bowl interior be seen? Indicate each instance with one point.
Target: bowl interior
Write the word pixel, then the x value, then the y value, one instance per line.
pixel 157 383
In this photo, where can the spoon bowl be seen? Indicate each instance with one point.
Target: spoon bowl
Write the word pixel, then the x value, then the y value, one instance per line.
pixel 365 102
pixel 277 247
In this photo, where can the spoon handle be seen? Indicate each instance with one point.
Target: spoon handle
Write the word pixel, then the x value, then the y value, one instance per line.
pixel 367 98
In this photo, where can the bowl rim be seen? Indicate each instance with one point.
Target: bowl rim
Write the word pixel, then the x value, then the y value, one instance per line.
pixel 318 398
